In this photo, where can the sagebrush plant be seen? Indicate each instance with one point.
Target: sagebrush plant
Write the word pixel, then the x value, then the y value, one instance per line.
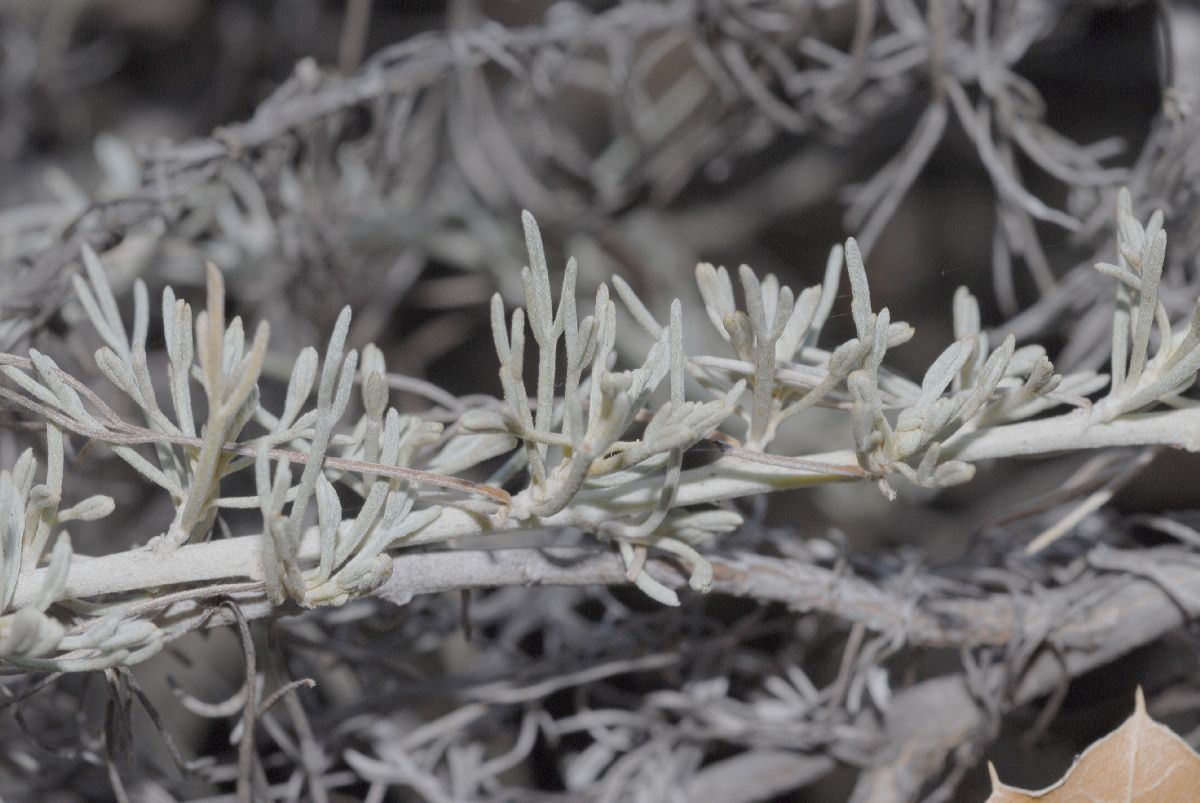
pixel 606 455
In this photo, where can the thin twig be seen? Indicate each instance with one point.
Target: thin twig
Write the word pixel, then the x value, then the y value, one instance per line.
pixel 130 434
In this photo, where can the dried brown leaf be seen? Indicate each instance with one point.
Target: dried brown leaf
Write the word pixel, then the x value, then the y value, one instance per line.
pixel 1142 761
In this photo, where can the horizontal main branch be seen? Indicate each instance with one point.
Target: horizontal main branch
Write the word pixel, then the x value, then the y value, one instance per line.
pixel 728 477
